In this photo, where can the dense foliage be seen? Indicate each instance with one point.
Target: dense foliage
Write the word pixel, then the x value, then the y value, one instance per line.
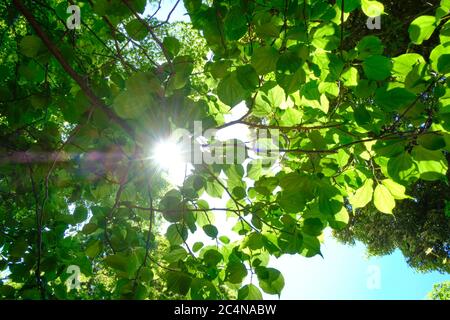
pixel 360 119
pixel 441 291
pixel 421 228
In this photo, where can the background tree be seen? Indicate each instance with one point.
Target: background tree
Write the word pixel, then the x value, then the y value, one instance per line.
pixel 420 228
pixel 441 291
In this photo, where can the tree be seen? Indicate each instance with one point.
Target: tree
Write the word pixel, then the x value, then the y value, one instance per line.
pixel 425 214
pixel 357 124
pixel 441 291
pixel 420 228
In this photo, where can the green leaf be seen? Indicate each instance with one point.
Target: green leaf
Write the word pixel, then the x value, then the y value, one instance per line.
pixel 339 220
pixel 330 200
pixel 236 272
pixel 192 5
pixel 175 254
pixel 176 234
pixel 18 248
pixel 264 60
pixel 330 88
pixel 235 24
pixel 202 289
pixel 138 5
pixel 31 46
pixel 224 239
pixel 218 69
pixel 171 200
pixel 267 25
pixel 199 182
pixel 89 228
pixel 249 292
pixel 363 195
pixel 377 67
pixel 203 204
pixel 313 226
pixel 271 280
pixel 247 77
pixel 365 88
pixel 432 165
pixel 117 261
pixel 94 248
pixel 254 241
pixel 383 199
pixel 33 72
pixel 183 66
pixel 404 64
pixel 362 116
pixel 127 105
pixel 212 257
pixel 325 37
pixel 422 28
pixel 291 117
pixel 269 100
pixel 289 72
pixel 394 99
pixel 440 58
pixel 397 190
pixel 444 35
pixel 7 291
pixel 402 168
pixel 172 45
pixel 291 202
pixel 239 192
pixel 178 282
pixel 214 189
pixel 350 77
pixel 349 5
pixel 368 46
pixel 80 214
pixel 146 274
pixel 211 231
pixel 136 30
pixel 197 246
pixel 443 10
pixel 431 141
pixel 230 90
pixel 290 242
pixel 372 8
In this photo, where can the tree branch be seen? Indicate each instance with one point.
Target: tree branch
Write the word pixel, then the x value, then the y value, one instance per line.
pixel 39 217
pixel 153 35
pixel 342 25
pixel 81 81
pixel 168 16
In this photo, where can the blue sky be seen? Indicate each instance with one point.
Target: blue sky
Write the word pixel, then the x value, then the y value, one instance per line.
pixel 344 271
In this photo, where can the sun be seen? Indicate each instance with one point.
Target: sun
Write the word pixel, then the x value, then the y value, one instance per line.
pixel 169 156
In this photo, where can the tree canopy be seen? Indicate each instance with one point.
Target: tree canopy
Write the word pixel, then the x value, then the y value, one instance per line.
pixel 420 230
pixel 362 118
pixel 441 291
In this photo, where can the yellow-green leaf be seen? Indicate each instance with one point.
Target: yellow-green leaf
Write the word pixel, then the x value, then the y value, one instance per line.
pixel 383 199
pixel 363 195
pixel 372 8
pixel 397 190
